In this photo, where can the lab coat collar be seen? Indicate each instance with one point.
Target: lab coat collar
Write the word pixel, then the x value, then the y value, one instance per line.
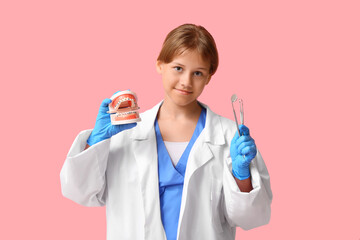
pixel 213 132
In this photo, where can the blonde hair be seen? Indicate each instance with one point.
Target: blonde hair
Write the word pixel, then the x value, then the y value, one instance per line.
pixel 190 37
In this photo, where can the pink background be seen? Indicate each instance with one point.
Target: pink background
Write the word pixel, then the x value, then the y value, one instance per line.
pixel 295 64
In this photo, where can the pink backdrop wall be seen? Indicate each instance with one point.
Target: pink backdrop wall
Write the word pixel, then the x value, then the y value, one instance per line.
pixel 295 64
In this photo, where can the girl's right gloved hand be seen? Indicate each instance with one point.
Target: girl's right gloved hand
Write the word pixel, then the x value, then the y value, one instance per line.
pixel 103 128
pixel 242 151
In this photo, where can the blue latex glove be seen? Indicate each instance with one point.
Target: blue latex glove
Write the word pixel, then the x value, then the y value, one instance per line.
pixel 103 128
pixel 242 151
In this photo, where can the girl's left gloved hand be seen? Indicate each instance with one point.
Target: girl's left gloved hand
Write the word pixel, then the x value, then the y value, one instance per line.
pixel 242 151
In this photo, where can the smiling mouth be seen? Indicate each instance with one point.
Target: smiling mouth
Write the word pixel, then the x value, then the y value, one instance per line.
pixel 183 91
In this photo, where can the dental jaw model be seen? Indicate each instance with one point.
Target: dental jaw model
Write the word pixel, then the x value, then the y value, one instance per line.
pixel 124 109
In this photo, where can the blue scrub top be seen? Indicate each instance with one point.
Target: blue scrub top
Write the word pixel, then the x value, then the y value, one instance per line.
pixel 171 179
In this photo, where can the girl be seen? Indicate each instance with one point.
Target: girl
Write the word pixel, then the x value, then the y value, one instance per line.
pixel 183 172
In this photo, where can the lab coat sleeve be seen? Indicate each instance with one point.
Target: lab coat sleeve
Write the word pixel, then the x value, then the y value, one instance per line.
pixel 253 209
pixel 82 176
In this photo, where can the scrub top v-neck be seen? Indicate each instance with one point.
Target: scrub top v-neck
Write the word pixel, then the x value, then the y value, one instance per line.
pixel 171 178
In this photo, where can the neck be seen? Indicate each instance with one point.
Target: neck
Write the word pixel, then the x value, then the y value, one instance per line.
pixel 169 109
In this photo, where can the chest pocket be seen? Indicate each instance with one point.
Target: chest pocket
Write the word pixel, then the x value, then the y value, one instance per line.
pixel 217 211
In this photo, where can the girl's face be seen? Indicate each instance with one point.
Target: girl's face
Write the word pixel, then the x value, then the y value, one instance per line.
pixel 184 78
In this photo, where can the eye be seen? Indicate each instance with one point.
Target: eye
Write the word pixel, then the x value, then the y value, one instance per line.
pixel 198 74
pixel 178 69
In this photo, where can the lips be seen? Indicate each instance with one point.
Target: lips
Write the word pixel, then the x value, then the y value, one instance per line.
pixel 123 108
pixel 184 92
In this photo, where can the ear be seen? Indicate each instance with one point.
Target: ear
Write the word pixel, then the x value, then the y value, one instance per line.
pixel 159 66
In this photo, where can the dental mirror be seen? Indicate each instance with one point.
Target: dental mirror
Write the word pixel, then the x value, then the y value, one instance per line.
pixel 233 99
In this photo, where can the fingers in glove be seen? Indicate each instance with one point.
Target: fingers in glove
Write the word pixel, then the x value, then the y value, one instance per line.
pixel 244 145
pixel 248 150
pixel 104 107
pixel 243 139
pixel 250 156
pixel 244 130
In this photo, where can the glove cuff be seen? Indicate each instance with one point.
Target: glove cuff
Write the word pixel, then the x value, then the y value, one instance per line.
pixel 93 140
pixel 90 142
pixel 242 175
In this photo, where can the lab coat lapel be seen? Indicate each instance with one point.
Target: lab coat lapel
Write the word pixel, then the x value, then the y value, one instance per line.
pixel 202 152
pixel 146 159
pixel 199 155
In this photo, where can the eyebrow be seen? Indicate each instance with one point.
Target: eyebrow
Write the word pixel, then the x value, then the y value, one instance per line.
pixel 184 66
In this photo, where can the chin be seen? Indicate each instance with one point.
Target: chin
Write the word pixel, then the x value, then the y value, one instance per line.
pixel 183 102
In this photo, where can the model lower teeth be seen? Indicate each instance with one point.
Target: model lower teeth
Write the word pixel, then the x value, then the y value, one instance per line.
pixel 125 113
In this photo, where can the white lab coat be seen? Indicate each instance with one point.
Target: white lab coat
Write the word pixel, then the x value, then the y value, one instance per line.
pixel 122 173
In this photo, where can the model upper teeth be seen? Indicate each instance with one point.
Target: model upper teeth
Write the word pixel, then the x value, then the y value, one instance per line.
pixel 124 100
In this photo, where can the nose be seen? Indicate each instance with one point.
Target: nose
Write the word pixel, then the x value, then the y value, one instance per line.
pixel 186 80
